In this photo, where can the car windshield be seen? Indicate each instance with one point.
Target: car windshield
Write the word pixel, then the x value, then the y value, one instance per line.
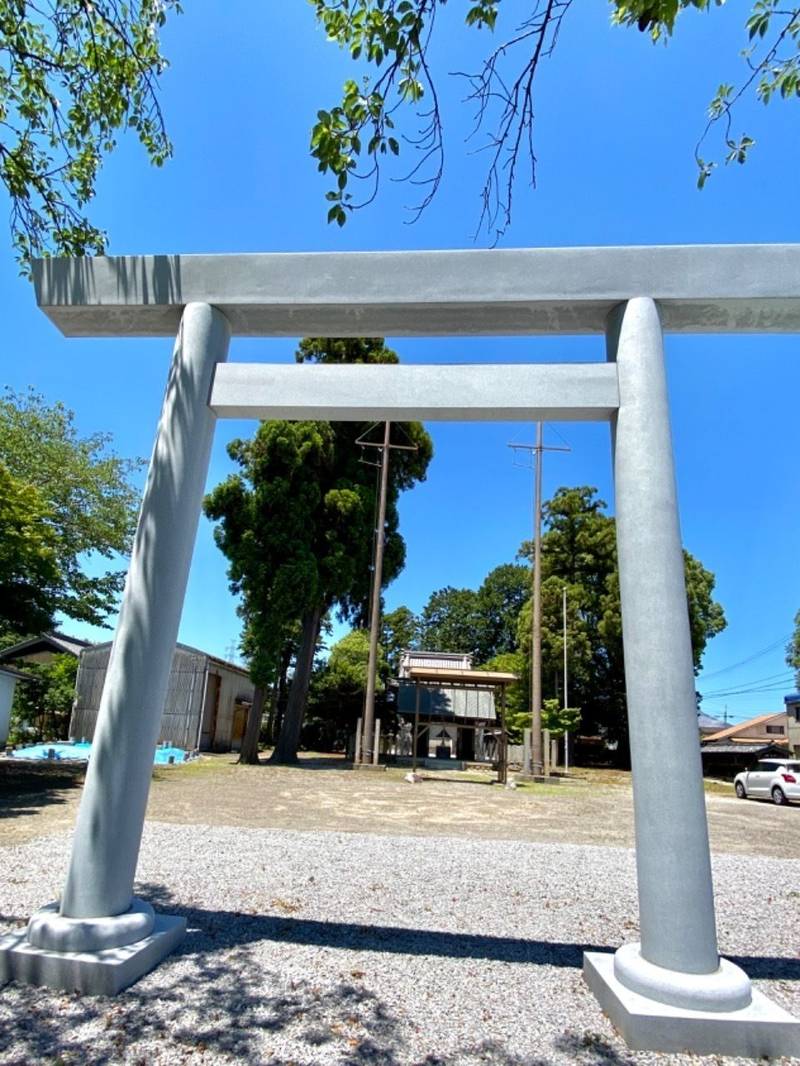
pixel 794 767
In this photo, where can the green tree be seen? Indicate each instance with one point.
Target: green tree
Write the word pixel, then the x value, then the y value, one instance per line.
pixel 74 76
pixel 90 501
pixel 337 691
pixel 30 577
pixel 482 622
pixel 45 703
pixel 400 630
pixel 450 621
pixel 518 711
pixel 559 720
pixel 296 524
pixel 390 44
pixel 793 650
pixel 501 597
pixel 579 552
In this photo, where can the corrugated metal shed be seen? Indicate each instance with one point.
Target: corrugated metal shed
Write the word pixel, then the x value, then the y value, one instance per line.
pixel 205 705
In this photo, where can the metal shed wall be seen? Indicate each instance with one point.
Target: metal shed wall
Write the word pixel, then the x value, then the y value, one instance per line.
pixel 180 722
pixel 88 690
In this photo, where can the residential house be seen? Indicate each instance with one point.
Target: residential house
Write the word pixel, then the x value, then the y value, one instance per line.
pixel 43 648
pixel 736 747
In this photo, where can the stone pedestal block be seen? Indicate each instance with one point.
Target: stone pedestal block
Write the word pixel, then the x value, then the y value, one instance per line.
pixel 761 1029
pixel 94 973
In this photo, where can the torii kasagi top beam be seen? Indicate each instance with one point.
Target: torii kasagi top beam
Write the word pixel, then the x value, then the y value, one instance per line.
pixel 747 288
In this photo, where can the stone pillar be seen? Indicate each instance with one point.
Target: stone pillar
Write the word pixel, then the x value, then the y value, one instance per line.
pixel 97 910
pixel 677 961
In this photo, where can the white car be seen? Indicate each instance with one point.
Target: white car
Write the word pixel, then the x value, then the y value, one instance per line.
pixel 775 779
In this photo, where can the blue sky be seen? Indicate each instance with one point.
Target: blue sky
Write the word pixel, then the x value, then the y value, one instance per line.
pixel 616 126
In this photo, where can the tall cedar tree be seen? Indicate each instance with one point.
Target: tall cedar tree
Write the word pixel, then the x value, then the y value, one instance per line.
pixel 579 552
pixel 297 526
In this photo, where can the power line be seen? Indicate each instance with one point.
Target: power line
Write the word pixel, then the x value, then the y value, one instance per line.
pixel 749 659
pixel 771 678
pixel 774 686
pixel 781 687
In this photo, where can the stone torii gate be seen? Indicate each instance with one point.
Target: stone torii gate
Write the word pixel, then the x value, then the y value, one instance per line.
pixel 669 992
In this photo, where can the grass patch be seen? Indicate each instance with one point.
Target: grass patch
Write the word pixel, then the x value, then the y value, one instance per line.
pixel 718 788
pixel 202 767
pixel 540 790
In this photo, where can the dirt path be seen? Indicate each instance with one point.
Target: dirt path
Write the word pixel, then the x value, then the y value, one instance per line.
pixel 323 795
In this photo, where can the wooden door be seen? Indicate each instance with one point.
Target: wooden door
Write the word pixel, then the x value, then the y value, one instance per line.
pixel 210 712
pixel 240 712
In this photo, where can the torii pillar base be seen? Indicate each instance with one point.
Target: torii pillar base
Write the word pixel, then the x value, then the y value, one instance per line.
pixel 761 1029
pixel 93 973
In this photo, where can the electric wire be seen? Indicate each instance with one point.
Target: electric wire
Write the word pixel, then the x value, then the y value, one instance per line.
pixel 749 659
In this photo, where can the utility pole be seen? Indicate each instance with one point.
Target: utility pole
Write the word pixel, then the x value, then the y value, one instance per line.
pixel 537 759
pixel 566 687
pixel 375 605
pixel 537 449
pixel 367 753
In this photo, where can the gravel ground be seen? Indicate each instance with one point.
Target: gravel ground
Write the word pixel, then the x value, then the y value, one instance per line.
pixel 321 948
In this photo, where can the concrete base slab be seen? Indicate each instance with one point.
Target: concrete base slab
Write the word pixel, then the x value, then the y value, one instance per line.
pixel 538 779
pixel 369 766
pixel 97 973
pixel 761 1030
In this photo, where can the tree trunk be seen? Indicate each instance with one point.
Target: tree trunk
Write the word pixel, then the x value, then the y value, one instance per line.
pixel 271 713
pixel 280 703
pixel 249 751
pixel 289 739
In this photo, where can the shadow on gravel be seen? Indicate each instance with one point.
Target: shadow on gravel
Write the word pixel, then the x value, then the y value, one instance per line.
pixel 454 781
pixel 768 967
pixel 235 927
pixel 215 997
